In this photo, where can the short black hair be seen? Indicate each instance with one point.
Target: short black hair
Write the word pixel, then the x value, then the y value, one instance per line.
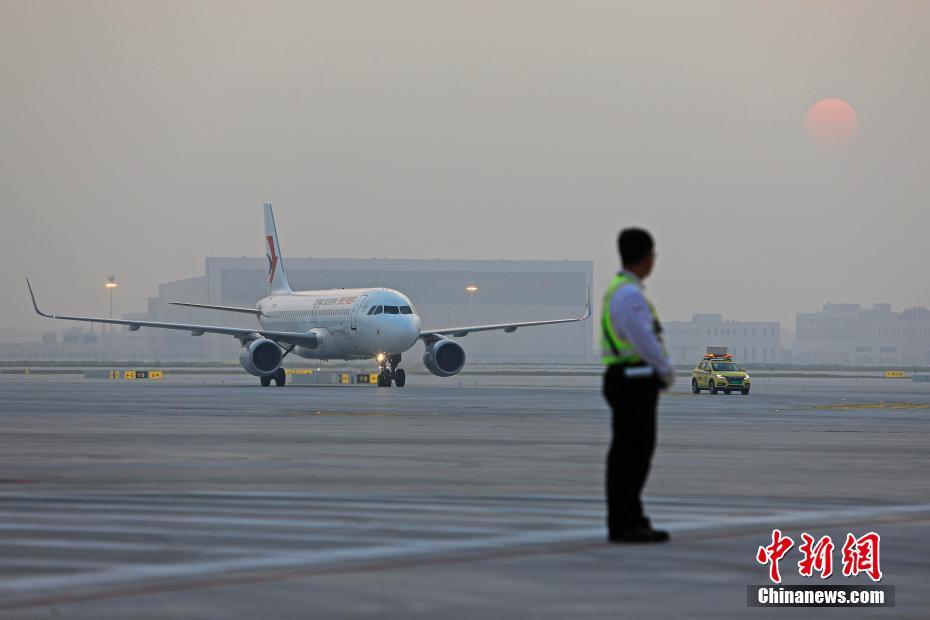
pixel 634 245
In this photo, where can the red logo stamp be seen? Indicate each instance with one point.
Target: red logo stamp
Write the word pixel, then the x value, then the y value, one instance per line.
pixel 272 259
pixel 817 557
pixel 773 553
pixel 860 555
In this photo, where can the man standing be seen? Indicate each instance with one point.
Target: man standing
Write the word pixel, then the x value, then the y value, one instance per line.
pixel 637 368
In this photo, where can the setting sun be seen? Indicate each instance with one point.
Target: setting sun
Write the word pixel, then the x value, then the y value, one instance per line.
pixel 831 123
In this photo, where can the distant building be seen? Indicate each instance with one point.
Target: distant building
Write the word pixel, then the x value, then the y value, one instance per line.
pixel 78 344
pixel 507 290
pixel 749 342
pixel 848 334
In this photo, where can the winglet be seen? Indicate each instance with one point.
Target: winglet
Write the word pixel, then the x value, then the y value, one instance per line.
pixel 587 306
pixel 33 296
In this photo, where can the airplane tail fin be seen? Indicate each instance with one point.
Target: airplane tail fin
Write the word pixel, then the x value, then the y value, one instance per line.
pixel 277 280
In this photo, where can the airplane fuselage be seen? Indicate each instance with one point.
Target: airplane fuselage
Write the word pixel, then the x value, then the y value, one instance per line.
pixel 349 323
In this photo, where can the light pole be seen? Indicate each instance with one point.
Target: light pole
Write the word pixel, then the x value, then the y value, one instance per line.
pixel 110 285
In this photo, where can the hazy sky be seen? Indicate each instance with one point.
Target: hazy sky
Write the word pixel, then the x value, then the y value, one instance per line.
pixel 140 137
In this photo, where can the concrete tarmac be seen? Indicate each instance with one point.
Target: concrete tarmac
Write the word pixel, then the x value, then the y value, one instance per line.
pixel 211 497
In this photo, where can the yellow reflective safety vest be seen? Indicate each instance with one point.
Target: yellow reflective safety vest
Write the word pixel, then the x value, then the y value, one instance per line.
pixel 616 350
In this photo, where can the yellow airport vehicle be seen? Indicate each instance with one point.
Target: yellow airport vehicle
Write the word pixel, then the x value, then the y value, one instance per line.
pixel 718 372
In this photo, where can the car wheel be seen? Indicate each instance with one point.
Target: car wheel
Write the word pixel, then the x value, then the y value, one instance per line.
pixel 694 387
pixel 744 392
pixel 712 386
pixel 727 391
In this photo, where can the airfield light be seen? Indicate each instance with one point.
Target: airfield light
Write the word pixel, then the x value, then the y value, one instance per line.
pixel 110 285
pixel 470 291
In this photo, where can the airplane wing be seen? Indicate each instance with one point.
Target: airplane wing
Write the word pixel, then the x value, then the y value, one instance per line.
pixel 430 335
pixel 243 334
pixel 253 311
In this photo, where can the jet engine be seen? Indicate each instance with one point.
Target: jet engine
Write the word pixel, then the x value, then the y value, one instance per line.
pixel 261 357
pixel 444 358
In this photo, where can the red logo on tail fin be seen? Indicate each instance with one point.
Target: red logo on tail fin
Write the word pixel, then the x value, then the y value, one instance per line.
pixel 272 259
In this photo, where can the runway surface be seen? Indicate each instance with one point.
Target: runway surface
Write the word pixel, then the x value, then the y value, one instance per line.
pixel 213 497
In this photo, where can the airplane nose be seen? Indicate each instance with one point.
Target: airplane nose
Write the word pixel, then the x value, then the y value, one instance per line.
pixel 410 331
pixel 399 333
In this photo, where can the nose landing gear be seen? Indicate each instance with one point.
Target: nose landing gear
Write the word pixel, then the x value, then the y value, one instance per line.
pixel 390 372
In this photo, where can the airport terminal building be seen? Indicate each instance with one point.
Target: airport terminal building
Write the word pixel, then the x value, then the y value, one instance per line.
pixel 749 342
pixel 446 293
pixel 849 334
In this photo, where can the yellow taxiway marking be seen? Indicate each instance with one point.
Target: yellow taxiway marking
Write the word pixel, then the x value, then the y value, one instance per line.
pixel 880 405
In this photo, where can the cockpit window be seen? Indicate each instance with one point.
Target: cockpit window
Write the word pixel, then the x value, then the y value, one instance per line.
pixel 377 310
pixel 391 310
pixel 406 310
pixel 371 310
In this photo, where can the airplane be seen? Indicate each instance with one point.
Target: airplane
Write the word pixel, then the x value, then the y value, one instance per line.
pixel 333 324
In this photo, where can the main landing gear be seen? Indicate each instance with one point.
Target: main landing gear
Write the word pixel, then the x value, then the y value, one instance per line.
pixel 390 372
pixel 279 377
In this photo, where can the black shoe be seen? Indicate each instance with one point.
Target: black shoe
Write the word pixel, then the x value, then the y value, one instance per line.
pixel 638 534
pixel 660 535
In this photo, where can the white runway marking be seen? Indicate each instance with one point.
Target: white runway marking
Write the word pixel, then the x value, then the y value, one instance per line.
pixel 112 540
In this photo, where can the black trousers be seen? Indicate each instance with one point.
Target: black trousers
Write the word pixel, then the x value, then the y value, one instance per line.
pixel 633 402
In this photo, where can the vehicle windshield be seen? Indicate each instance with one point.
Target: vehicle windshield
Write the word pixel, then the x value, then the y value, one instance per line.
pixel 726 366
